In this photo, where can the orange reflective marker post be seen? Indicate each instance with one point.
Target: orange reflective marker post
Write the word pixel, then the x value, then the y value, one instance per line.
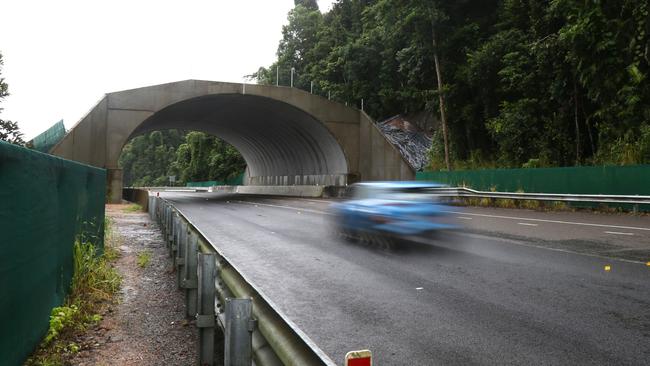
pixel 358 358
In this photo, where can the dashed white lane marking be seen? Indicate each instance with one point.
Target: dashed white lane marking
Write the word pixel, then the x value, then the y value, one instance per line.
pixel 526 224
pixel 618 233
pixel 464 218
pixel 551 221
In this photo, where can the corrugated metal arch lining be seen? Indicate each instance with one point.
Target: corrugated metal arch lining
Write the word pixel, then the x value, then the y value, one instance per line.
pixel 275 138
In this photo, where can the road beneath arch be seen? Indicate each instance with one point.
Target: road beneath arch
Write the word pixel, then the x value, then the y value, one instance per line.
pixel 509 289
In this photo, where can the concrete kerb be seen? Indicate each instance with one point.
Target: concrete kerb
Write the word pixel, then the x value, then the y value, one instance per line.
pixel 276 340
pixel 287 191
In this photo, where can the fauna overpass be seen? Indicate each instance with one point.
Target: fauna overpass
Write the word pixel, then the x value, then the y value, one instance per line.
pixel 287 136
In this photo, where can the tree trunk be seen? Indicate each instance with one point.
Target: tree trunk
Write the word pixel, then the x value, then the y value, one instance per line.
pixel 575 116
pixel 591 137
pixel 441 96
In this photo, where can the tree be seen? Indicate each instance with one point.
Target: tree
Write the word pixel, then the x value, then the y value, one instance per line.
pixel 9 131
pixel 149 159
pixel 309 4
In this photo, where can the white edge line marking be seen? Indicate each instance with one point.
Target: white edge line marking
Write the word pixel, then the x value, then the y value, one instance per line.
pixel 618 233
pixel 551 221
pixel 285 207
pixel 464 218
pixel 314 201
pixel 527 224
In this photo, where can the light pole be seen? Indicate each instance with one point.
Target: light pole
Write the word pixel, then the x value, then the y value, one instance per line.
pixel 293 69
pixel 277 75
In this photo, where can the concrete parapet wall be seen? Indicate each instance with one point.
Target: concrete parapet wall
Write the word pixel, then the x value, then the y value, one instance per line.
pixel 137 195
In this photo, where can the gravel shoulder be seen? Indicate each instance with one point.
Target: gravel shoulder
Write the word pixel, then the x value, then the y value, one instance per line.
pixel 146 326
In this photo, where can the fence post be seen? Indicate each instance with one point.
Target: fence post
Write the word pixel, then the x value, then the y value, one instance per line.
pixel 238 332
pixel 205 317
pixel 190 281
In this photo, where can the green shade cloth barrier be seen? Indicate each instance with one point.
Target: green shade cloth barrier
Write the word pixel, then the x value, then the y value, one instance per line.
pixel 50 137
pixel 236 181
pixel 45 203
pixel 611 180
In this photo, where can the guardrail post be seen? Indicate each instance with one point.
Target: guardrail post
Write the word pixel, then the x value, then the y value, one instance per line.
pixel 161 216
pixel 190 281
pixel 205 318
pixel 238 332
pixel 175 238
pixel 163 220
pixel 172 233
pixel 150 206
pixel 168 226
pixel 180 257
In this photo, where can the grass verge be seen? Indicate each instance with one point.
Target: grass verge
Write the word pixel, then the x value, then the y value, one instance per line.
pixel 143 258
pixel 94 284
pixel 134 207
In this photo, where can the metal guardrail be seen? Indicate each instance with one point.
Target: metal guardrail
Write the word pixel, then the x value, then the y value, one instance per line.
pixel 588 198
pixel 218 294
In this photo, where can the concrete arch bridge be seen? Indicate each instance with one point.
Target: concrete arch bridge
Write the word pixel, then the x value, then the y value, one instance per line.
pixel 287 136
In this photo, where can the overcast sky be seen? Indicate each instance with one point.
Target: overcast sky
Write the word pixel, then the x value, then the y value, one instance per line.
pixel 61 57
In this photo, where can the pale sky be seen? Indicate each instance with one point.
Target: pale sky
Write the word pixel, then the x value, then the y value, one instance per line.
pixel 61 57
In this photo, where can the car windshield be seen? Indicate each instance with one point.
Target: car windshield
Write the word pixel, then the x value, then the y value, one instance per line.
pixel 395 193
pixel 408 194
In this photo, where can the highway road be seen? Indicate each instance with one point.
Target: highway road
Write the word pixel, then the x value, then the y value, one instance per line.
pixel 512 287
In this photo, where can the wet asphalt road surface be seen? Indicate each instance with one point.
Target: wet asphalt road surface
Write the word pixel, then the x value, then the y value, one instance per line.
pixel 496 292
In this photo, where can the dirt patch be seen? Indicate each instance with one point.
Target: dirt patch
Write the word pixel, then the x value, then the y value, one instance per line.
pixel 147 326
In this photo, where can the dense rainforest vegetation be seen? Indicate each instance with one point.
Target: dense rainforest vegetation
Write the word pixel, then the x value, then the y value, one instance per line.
pixel 512 83
pixel 149 159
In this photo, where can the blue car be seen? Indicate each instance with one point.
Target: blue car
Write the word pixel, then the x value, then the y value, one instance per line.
pixel 382 212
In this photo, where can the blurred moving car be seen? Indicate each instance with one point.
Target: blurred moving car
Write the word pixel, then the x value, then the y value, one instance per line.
pixel 382 212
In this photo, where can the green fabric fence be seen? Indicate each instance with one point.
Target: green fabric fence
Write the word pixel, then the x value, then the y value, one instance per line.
pixel 50 137
pixel 624 180
pixel 237 181
pixel 45 203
